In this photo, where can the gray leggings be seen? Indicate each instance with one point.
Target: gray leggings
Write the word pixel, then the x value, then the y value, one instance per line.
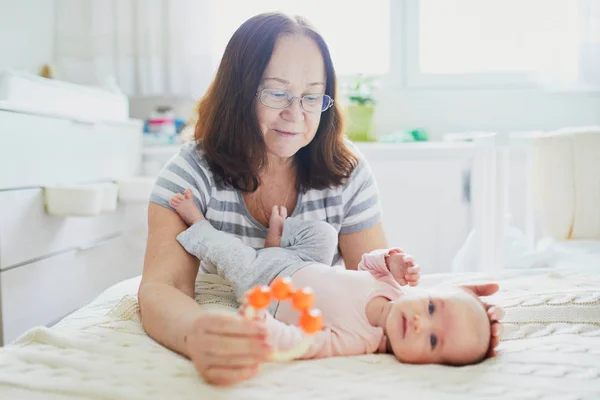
pixel 302 243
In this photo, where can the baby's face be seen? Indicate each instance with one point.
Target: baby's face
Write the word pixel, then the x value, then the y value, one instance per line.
pixel 438 327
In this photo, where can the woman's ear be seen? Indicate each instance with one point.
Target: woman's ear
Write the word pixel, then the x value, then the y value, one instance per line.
pixel 485 289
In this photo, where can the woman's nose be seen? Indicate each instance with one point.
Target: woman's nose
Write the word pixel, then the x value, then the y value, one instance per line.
pixel 294 111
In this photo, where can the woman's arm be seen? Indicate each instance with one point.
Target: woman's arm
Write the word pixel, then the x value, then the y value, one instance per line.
pixel 225 348
pixel 166 293
pixel 354 245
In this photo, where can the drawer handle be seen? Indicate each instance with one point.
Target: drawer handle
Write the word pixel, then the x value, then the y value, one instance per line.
pixel 97 243
pixel 87 123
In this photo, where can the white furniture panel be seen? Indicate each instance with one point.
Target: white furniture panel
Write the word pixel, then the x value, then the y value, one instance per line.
pixel 52 265
pixel 422 188
pixel 37 150
pixel 35 94
pixel 27 232
pixel 42 292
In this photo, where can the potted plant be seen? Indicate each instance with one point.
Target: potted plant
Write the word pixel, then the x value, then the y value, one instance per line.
pixel 361 108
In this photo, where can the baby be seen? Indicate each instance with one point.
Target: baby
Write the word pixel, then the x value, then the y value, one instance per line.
pixel 364 311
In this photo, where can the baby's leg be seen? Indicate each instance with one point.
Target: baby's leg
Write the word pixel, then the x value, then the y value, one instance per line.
pixel 243 266
pixel 278 216
pixel 313 241
pixel 186 207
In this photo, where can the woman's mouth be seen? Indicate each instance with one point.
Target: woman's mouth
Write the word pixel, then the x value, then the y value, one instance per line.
pixel 286 133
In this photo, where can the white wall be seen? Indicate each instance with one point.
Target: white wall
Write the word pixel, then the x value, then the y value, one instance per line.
pixel 453 110
pixel 27 34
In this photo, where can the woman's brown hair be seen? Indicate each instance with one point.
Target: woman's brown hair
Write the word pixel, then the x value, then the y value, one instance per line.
pixel 227 129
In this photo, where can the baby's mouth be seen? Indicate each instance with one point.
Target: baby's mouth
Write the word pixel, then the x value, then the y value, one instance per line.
pixel 403 325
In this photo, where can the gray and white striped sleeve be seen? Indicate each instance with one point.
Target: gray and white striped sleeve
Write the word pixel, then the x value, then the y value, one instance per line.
pixel 184 170
pixel 360 196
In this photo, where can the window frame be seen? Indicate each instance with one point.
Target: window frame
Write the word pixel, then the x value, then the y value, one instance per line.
pixel 405 40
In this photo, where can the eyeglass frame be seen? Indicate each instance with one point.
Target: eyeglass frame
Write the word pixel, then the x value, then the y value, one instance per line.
pixel 292 98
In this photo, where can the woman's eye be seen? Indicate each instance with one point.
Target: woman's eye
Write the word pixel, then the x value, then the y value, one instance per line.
pixel 433 341
pixel 311 99
pixel 278 94
pixel 431 308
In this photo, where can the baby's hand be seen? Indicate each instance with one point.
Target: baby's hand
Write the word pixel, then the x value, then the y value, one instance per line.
pixel 403 268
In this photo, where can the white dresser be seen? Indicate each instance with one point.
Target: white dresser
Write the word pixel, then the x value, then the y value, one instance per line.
pixel 52 265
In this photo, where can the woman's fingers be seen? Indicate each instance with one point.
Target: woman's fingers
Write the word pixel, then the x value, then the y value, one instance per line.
pixel 234 346
pixel 228 376
pixel 495 313
pixel 236 325
pixel 494 342
pixel 227 348
pixel 497 329
pixel 218 361
pixel 485 289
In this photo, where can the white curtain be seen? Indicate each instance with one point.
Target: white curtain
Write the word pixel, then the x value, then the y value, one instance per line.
pixel 146 47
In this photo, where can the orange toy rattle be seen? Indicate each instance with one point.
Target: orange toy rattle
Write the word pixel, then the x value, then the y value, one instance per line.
pixel 280 289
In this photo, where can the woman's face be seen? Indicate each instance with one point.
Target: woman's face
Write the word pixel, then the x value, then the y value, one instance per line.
pixel 297 67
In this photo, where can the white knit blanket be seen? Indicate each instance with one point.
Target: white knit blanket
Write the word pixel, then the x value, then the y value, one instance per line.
pixel 550 350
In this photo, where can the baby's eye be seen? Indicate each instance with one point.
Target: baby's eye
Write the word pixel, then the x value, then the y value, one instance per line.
pixel 433 341
pixel 431 308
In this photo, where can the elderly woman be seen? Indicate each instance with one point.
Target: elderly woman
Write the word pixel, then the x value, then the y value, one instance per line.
pixel 269 132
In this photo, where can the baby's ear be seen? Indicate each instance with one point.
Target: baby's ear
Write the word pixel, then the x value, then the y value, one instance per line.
pixel 485 289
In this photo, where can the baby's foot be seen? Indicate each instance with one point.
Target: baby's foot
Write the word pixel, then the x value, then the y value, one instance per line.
pixel 186 207
pixel 278 216
pixel 403 268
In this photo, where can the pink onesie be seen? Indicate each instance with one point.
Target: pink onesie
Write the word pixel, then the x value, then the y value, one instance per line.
pixel 342 297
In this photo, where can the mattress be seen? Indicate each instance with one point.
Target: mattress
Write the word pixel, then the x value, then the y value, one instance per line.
pixel 550 349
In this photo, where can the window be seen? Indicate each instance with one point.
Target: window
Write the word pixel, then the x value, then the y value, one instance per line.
pixel 490 42
pixel 357 33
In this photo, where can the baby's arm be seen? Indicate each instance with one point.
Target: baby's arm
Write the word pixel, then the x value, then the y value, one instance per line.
pixel 326 343
pixel 393 263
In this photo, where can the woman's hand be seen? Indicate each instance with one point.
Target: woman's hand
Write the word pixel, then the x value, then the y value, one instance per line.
pixel 495 313
pixel 227 348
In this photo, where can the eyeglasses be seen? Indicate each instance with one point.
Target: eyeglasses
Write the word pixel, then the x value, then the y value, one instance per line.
pixel 275 98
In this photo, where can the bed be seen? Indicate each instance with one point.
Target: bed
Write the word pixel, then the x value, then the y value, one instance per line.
pixel 550 349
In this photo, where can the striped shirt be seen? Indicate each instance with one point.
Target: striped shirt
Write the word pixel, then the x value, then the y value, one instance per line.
pixel 351 207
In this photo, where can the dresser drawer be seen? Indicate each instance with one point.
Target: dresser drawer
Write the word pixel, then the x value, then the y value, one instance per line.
pixel 28 233
pixel 43 292
pixel 37 151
